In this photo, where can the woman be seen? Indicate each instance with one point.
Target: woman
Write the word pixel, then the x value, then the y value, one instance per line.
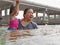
pixel 25 23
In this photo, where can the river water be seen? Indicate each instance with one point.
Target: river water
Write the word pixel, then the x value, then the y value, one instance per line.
pixel 44 35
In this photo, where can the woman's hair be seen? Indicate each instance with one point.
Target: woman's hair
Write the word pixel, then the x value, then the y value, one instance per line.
pixel 25 11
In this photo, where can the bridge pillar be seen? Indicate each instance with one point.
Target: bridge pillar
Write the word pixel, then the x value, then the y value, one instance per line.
pixel 48 17
pixel 43 15
pixel 55 17
pixel 0 17
pixel 36 13
pixel 5 12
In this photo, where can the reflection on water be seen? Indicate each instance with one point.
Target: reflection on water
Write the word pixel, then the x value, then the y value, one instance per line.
pixel 2 37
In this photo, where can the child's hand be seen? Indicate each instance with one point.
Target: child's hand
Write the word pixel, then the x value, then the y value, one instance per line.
pixel 17 1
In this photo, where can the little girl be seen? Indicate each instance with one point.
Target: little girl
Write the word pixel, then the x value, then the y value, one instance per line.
pixel 13 20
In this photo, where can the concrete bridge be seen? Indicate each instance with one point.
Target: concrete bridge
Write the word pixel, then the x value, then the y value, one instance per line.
pixel 38 8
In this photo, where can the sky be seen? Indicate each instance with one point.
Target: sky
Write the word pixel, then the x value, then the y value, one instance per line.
pixel 53 3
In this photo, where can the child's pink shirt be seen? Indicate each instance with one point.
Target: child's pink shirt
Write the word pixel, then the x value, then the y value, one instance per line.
pixel 14 23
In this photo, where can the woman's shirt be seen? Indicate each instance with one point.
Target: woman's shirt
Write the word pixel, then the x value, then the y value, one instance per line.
pixel 31 25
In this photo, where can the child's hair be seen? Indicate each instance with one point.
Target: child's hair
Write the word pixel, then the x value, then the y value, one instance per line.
pixel 11 9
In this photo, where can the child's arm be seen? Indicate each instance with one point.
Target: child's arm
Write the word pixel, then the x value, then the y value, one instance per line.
pixel 16 10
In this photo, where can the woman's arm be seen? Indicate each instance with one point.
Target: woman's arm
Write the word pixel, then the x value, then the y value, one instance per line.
pixel 16 9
